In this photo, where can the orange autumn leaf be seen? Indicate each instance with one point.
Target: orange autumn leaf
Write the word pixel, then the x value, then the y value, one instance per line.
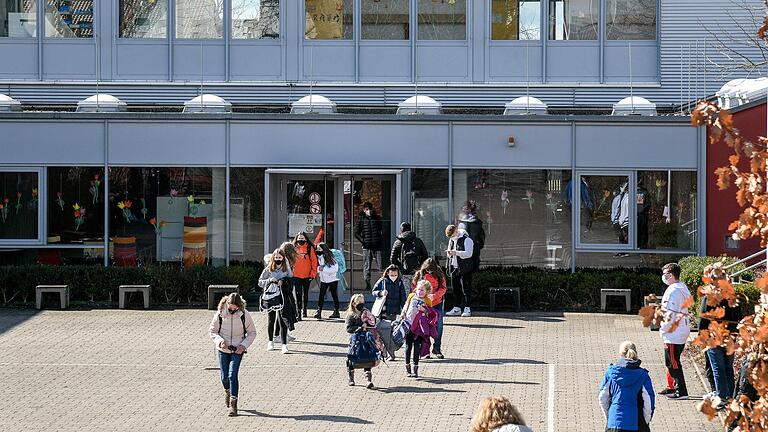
pixel 688 302
pixel 715 314
pixel 762 284
pixel 734 159
pixel 648 313
pixel 708 408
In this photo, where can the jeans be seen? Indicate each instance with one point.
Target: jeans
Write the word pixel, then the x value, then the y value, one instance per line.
pixel 436 347
pixel 324 288
pixel 368 257
pixel 230 366
pixel 462 289
pixel 722 370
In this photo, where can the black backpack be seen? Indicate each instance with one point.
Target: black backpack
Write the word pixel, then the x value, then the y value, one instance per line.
pixel 409 256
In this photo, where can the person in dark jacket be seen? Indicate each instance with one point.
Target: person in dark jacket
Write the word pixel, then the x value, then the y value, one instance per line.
pixel 391 286
pixel 743 388
pixel 626 393
pixel 408 253
pixel 469 222
pixel 721 364
pixel 359 319
pixel 369 233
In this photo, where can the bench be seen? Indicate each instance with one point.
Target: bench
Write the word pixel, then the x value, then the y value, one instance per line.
pixel 626 293
pixel 504 290
pixel 62 290
pixel 123 290
pixel 216 291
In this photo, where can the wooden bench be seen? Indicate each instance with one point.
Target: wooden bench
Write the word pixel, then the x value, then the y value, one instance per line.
pixel 62 290
pixel 504 290
pixel 215 293
pixel 626 293
pixel 123 290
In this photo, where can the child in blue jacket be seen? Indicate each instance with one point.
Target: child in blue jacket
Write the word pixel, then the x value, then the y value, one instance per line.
pixel 626 393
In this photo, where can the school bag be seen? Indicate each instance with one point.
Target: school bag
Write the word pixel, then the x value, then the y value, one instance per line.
pixel 339 258
pixel 409 256
pixel 400 330
pixel 272 298
pixel 363 352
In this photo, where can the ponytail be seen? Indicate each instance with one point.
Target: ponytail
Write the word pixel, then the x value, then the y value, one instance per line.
pixel 628 350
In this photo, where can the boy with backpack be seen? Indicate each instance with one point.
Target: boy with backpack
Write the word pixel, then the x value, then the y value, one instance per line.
pixel 408 253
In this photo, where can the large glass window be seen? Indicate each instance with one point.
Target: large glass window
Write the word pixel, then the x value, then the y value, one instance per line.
pixel 328 19
pixel 442 20
pixel 143 18
pixel 630 19
pixel 167 215
pixel 199 19
pixel 666 210
pixel 68 18
pixel 515 19
pixel 573 19
pixel 19 205
pixel 524 214
pixel 385 19
pixel 246 223
pixel 18 18
pixel 429 203
pixel 604 214
pixel 255 19
pixel 75 205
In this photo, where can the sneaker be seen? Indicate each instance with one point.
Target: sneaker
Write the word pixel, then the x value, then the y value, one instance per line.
pixel 317 315
pixel 335 314
pixel 677 396
pixel 285 349
pixel 666 391
pixel 290 338
pixel 270 346
pixel 466 313
pixel 454 312
pixel 438 354
pixel 708 396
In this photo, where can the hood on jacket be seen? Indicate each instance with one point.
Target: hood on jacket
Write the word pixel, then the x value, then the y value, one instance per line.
pixel 467 217
pixel 627 373
pixel 407 235
pixel 513 428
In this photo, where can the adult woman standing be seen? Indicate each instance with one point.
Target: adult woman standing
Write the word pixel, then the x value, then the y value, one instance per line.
pixel 359 319
pixel 232 331
pixel 432 273
pixel 626 393
pixel 327 270
pixel 277 273
pixel 304 270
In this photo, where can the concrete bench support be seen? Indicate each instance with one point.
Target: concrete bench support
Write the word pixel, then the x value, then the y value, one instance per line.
pixel 122 290
pixel 62 290
pixel 626 293
pixel 215 292
pixel 504 290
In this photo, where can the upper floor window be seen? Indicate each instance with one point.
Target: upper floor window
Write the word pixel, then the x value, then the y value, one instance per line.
pixel 69 19
pixel 18 19
pixel 515 19
pixel 199 19
pixel 143 18
pixel 385 19
pixel 328 19
pixel 573 19
pixel 442 19
pixel 630 19
pixel 255 19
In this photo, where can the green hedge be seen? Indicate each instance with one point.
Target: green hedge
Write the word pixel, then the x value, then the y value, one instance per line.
pixel 693 269
pixel 98 285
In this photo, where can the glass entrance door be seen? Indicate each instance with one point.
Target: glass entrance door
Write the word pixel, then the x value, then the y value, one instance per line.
pixel 309 207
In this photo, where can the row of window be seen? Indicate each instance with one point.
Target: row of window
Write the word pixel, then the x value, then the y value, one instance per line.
pixel 334 19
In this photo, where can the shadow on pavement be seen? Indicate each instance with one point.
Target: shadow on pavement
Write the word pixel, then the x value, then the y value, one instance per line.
pixel 482 326
pixel 335 345
pixel 10 318
pixel 441 381
pixel 325 418
pixel 322 353
pixel 408 389
pixel 489 361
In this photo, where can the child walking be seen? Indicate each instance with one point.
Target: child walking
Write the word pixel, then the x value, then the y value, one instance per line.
pixel 418 301
pixel 327 271
pixel 276 272
pixel 359 319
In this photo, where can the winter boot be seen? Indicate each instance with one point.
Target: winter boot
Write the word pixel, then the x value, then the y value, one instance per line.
pixel 351 373
pixel 415 371
pixel 369 378
pixel 335 314
pixel 226 397
pixel 232 406
pixel 408 369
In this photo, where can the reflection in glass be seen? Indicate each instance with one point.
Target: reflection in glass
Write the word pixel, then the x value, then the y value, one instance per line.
pixel 69 19
pixel 573 19
pixel 310 206
pixel 328 19
pixel 255 19
pixel 605 207
pixel 445 20
pixel 515 20
pixel 52 256
pixel 608 260
pixel 18 18
pixel 75 205
pixel 143 18
pixel 524 215
pixel 630 19
pixel 167 215
pixel 19 204
pixel 666 210
pixel 385 19
pixel 429 201
pixel 199 19
pixel 246 207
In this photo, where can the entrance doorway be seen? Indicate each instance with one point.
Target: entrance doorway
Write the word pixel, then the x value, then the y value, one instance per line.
pixel 328 207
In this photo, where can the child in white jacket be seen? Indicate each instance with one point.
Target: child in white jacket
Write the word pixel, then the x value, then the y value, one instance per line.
pixel 327 272
pixel 675 328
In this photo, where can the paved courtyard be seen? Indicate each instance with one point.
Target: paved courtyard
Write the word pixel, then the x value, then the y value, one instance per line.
pixel 155 370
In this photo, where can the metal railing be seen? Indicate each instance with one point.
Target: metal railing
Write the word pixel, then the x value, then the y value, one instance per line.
pixel 762 262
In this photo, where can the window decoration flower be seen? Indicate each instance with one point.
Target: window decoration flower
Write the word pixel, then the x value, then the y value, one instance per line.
pixel 125 206
pixel 60 200
pixel 79 216
pixel 94 189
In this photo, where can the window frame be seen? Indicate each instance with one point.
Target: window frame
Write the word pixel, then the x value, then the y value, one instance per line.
pixel 467 27
pixel 42 196
pixel 489 25
pixel 576 215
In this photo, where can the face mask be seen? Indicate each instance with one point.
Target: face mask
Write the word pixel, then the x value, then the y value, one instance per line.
pixel 367 212
pixel 667 279
pixel 232 311
pixel 393 278
pixel 302 242
pixel 278 261
pixel 319 253
pixel 360 307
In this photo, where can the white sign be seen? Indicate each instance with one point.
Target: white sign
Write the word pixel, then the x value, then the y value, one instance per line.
pixel 314 198
pixel 300 222
pixel 315 209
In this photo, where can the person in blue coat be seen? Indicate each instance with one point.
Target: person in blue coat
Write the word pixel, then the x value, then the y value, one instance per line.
pixel 391 286
pixel 626 393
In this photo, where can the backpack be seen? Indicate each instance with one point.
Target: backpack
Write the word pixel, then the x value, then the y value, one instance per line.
pixel 339 258
pixel 363 352
pixel 242 318
pixel 272 298
pixel 400 330
pixel 409 256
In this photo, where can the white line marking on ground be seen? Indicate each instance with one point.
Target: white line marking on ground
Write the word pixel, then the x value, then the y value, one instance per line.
pixel 551 400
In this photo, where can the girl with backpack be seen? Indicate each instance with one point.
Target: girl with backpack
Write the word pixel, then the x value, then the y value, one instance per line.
pixel 233 331
pixel 418 301
pixel 327 270
pixel 432 273
pixel 392 286
pixel 359 319
pixel 304 270
pixel 276 273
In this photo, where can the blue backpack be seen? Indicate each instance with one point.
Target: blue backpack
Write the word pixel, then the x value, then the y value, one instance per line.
pixel 399 331
pixel 339 258
pixel 363 352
